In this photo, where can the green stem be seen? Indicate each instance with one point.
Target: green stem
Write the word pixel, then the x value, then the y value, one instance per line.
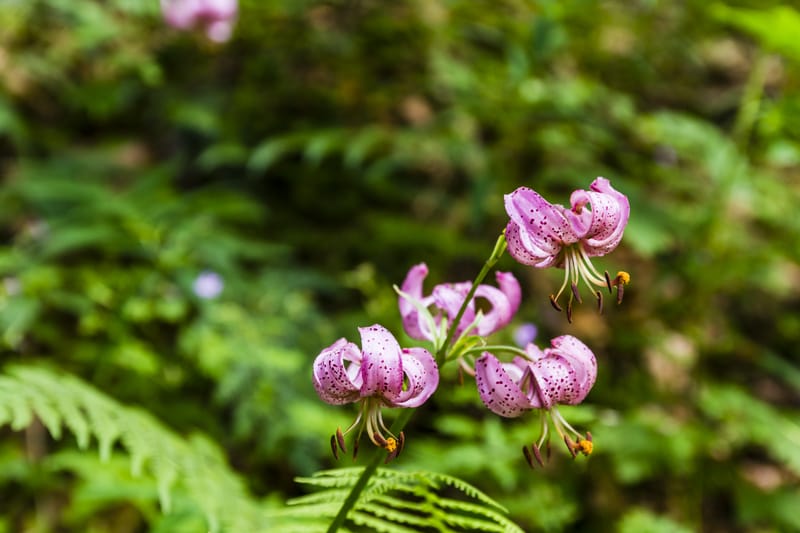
pixel 751 101
pixel 441 356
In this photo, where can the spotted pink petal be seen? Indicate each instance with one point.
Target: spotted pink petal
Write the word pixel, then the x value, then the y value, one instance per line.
pixel 412 285
pixel 601 227
pixel 525 252
pixel 555 380
pixel 337 377
pixel 381 366
pixel 422 376
pixel 543 227
pixel 581 360
pixel 498 391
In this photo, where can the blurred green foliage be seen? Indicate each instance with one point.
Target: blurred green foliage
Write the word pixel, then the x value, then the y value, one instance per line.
pixel 325 149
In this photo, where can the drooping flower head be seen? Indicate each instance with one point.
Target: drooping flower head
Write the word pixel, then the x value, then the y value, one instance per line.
pixel 561 374
pixel 378 375
pixel 215 17
pixel 429 317
pixel 544 235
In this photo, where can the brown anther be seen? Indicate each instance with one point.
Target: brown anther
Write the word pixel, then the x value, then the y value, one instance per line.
pixel 401 442
pixel 588 436
pixel 620 292
pixel 340 439
pixel 334 449
pixel 599 296
pixel 570 446
pixel 377 437
pixel 608 282
pixel 554 303
pixel 391 456
pixel 355 450
pixel 537 454
pixel 575 293
pixel 528 456
pixel 569 311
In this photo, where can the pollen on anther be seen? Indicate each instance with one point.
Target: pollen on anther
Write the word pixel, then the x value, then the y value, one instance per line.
pixel 585 446
pixel 391 444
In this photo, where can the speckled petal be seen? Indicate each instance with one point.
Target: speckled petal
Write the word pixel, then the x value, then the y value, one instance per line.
pixel 381 366
pixel 544 229
pixel 497 389
pixel 601 227
pixel 335 382
pixel 412 286
pixel 556 381
pixel 523 252
pixel 581 360
pixel 422 377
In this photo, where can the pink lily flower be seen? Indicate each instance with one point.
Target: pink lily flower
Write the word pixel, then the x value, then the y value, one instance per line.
pixel 563 374
pixel 378 375
pixel 428 317
pixel 215 17
pixel 544 235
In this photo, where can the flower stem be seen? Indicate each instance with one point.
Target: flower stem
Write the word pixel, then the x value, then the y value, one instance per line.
pixel 441 357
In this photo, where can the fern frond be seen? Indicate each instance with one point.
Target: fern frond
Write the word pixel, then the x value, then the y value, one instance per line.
pixel 402 501
pixel 194 464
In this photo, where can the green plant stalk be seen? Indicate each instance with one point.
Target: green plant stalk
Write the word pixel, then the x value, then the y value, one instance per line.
pixel 441 357
pixel 751 101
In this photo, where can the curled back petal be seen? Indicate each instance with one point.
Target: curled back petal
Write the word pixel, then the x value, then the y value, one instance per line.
pixel 449 297
pixel 421 376
pixel 602 231
pixel 524 252
pixel 555 381
pixel 335 382
pixel 510 287
pixel 499 315
pixel 534 352
pixel 544 228
pixel 497 389
pixel 381 367
pixel 412 321
pixel 580 358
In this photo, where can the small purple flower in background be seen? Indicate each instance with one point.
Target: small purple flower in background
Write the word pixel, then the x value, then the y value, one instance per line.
pixel 446 299
pixel 544 235
pixel 525 334
pixel 380 374
pixel 208 285
pixel 562 374
pixel 215 17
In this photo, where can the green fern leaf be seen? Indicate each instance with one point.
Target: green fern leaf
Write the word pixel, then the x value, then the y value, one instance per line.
pixel 402 501
pixel 195 464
